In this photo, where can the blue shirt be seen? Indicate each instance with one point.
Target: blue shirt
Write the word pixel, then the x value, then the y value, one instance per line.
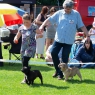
pixel 67 24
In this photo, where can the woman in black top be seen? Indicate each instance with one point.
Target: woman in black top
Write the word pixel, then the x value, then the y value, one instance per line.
pixel 40 42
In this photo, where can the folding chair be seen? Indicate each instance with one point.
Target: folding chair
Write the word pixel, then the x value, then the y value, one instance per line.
pixel 14 49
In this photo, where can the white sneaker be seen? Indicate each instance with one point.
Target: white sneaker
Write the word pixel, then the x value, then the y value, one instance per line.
pixel 23 82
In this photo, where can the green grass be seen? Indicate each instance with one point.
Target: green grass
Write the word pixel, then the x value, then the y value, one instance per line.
pixel 11 76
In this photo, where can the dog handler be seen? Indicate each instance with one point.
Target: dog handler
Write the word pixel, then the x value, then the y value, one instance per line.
pixel 68 21
pixel 27 31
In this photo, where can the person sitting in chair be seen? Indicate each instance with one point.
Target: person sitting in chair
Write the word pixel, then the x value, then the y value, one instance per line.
pixel 85 54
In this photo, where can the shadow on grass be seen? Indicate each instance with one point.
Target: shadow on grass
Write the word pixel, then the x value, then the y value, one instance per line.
pixel 49 86
pixel 17 67
pixel 87 81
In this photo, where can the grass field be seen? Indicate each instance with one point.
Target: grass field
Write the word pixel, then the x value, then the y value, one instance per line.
pixel 11 76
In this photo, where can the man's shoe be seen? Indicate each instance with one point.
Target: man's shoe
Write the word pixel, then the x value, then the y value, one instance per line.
pixel 54 75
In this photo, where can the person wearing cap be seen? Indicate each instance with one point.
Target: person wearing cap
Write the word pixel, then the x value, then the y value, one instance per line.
pixel 68 21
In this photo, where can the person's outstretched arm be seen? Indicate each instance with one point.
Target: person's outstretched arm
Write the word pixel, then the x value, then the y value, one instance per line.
pixel 45 23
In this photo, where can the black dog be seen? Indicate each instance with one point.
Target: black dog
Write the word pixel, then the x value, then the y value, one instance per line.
pixel 31 75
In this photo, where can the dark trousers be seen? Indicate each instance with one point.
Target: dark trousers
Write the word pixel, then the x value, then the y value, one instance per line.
pixel 65 54
pixel 25 61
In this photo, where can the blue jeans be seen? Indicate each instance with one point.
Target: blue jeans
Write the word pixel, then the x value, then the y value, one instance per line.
pixel 65 55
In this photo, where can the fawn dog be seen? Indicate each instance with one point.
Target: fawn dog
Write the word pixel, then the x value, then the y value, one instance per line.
pixel 69 72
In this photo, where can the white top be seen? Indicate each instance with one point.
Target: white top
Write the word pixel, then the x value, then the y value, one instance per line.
pixel 92 37
pixel 93 31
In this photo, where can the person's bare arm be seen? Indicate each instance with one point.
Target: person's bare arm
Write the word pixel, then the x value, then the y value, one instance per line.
pixel 45 23
pixel 38 31
pixel 16 38
pixel 90 32
pixel 85 30
pixel 39 34
pixel 38 20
